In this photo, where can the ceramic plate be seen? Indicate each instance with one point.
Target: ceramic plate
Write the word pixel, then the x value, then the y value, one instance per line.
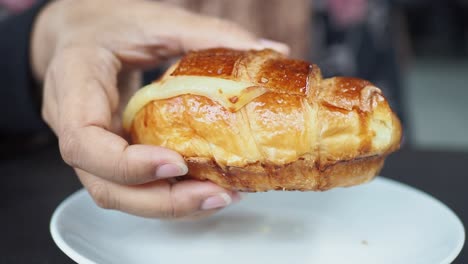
pixel 380 222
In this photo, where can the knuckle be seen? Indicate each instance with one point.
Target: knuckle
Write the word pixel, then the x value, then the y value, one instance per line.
pixel 101 196
pixel 173 208
pixel 68 145
pixel 167 207
pixel 161 212
pixel 169 212
pixel 122 172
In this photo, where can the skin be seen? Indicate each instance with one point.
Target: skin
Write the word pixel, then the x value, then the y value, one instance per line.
pixel 89 55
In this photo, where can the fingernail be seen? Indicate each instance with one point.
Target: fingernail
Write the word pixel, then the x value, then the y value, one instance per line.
pixel 271 44
pixel 217 201
pixel 237 196
pixel 171 170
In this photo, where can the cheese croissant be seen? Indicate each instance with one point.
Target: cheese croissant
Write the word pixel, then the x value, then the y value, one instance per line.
pixel 257 121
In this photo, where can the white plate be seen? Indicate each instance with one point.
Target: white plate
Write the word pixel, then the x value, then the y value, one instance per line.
pixel 380 222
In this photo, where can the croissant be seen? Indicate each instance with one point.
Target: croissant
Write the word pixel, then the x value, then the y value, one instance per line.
pixel 257 121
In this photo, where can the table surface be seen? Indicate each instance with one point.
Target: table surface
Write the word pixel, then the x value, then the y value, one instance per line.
pixel 34 184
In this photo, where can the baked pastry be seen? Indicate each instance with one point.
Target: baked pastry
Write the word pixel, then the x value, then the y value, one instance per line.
pixel 257 121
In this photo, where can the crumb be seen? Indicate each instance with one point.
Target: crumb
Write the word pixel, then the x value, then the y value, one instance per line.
pixel 364 242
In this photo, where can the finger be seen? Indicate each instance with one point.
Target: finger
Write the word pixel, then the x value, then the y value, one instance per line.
pixel 192 31
pixel 152 32
pixel 275 45
pixel 159 199
pixel 213 32
pixel 107 155
pixel 85 117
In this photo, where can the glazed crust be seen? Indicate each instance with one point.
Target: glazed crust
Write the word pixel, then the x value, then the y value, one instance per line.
pixel 304 133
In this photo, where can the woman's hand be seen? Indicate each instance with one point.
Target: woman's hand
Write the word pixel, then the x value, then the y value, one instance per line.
pixel 88 54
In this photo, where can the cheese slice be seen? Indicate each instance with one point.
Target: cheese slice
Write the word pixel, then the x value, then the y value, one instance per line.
pixel 232 95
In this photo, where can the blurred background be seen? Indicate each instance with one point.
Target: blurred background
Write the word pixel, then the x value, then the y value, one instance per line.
pixel 417 51
pixel 436 80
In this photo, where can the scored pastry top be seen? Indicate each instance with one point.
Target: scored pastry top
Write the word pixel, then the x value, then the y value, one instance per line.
pixel 269 108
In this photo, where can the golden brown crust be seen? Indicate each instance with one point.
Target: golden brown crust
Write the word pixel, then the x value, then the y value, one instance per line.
pixel 299 175
pixel 213 62
pixel 305 133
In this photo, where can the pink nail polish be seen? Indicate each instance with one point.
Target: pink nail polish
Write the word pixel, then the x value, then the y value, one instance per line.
pixel 216 201
pixel 170 170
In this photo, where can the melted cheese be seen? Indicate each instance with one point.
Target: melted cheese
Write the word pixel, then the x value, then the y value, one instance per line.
pixel 230 94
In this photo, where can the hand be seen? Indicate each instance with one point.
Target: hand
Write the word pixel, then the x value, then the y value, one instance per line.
pixel 88 54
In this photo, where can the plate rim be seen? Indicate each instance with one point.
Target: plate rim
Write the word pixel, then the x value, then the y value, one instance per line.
pixel 57 237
